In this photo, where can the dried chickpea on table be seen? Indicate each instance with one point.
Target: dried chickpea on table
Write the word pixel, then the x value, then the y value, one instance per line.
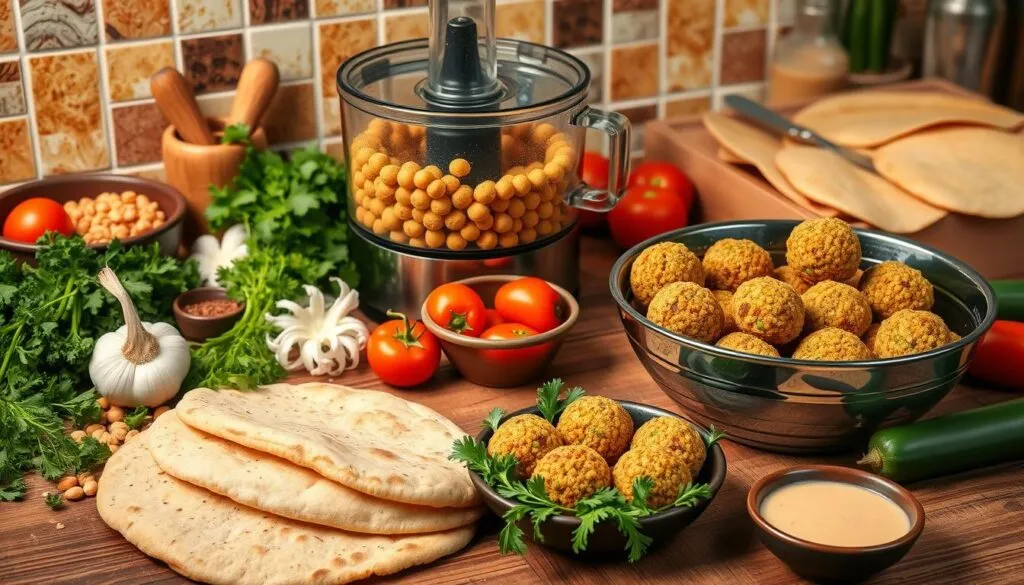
pixel 114 216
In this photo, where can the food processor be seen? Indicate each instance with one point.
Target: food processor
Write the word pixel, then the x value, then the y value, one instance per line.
pixel 464 154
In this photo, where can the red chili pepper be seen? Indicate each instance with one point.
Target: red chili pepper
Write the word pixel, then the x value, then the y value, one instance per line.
pixel 999 358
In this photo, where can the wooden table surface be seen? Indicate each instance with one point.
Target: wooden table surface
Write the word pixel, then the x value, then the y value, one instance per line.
pixel 972 533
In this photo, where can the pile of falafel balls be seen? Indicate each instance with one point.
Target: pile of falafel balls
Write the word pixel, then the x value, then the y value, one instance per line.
pixel 820 306
pixel 594 447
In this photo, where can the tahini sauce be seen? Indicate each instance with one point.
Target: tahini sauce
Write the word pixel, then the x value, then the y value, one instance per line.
pixel 834 513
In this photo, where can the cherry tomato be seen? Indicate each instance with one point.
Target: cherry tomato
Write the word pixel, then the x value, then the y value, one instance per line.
pixel 33 217
pixel 458 308
pixel 401 353
pixel 530 301
pixel 999 357
pixel 522 356
pixel 645 212
pixel 595 174
pixel 665 176
pixel 494 318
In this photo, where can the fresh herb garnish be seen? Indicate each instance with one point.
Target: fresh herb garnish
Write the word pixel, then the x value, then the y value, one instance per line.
pixel 136 418
pixel 548 401
pixel 236 134
pixel 494 418
pixel 55 500
pixel 714 436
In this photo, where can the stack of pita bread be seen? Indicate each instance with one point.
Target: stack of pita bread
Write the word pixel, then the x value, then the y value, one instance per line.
pixel 311 483
pixel 935 153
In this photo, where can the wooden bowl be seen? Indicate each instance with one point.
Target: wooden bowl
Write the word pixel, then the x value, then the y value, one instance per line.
pixel 73 187
pixel 198 327
pixel 481 361
pixel 821 562
pixel 606 540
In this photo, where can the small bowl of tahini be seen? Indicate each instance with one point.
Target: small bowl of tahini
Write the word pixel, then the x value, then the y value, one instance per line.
pixel 834 523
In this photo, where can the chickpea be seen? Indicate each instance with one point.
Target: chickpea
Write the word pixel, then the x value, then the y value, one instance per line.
pixel 368 219
pixel 142 201
pixel 517 225
pixel 67 482
pixel 82 226
pixel 500 206
pixel 522 184
pixel 74 214
pixel 120 232
pixel 403 212
pixel 459 167
pixel 548 193
pixel 542 132
pixel 378 227
pixel 487 240
pixel 478 211
pixel 390 220
pixel 78 436
pixel 389 174
pixel 553 149
pixel 530 219
pixel 463 197
pixel 434 238
pixel 74 494
pixel 437 189
pixel 418 215
pixel 128 197
pixel 450 183
pixel 363 156
pixel 399 237
pixel 504 188
pixel 527 235
pixel 413 229
pixel 441 206
pixel 533 167
pixel 516 170
pixel 131 435
pixel 360 212
pixel 503 223
pixel 521 131
pixel 113 448
pixel 485 192
pixel 90 488
pixel 554 172
pixel 455 220
pixel 104 221
pixel 102 207
pixel 508 239
pixel 557 214
pixel 432 221
pixel 470 232
pixel 129 212
pixel 403 196
pixel 384 193
pixel 544 210
pixel 423 178
pixel 485 223
pixel 417 242
pixel 407 174
pixel 378 161
pixel 532 201
pixel 544 227
pixel 516 208
pixel 455 241
pixel 420 199
pixel 143 225
pixel 104 437
pixel 376 207
pixel 563 160
pixel 146 214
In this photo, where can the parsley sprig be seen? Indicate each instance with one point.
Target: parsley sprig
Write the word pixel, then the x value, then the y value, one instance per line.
pixel 548 401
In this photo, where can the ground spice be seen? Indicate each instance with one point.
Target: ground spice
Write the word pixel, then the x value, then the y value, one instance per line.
pixel 212 308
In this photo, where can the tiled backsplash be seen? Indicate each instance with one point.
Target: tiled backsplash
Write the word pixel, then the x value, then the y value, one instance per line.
pixel 74 74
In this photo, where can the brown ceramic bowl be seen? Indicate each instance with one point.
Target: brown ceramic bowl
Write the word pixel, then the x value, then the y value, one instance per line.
pixel 199 328
pixel 606 540
pixel 473 357
pixel 822 562
pixel 74 187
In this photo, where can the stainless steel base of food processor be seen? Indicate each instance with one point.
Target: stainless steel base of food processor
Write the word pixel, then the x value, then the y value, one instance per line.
pixel 400 281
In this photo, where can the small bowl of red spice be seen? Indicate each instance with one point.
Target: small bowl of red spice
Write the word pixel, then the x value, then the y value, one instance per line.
pixel 206 312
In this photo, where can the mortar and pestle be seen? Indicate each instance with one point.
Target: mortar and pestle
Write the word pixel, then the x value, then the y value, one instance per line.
pixel 194 158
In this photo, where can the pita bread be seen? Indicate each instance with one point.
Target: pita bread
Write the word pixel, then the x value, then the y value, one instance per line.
pixel 209 538
pixel 830 179
pixel 976 171
pixel 372 442
pixel 871 118
pixel 757 147
pixel 267 483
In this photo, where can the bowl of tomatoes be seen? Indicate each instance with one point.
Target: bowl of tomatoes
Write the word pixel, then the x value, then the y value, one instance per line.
pixel 500 331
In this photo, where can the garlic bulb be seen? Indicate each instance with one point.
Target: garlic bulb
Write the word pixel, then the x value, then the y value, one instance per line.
pixel 140 364
pixel 327 343
pixel 212 255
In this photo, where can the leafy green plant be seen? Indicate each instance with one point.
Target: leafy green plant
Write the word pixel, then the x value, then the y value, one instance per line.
pixel 55 501
pixel 136 418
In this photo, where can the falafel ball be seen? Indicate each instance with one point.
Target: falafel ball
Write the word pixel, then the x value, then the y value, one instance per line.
pixel 824 248
pixel 674 435
pixel 789 276
pixel 870 335
pixel 893 286
pixel 835 304
pixel 666 469
pixel 747 343
pixel 832 344
pixel 572 473
pixel 662 264
pixel 528 438
pixel 729 263
pixel 599 423
pixel 910 331
pixel 688 309
pixel 769 309
pixel 724 299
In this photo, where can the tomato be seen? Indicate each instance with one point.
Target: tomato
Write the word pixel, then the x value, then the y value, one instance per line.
pixel 401 353
pixel 494 318
pixel 458 308
pixel 530 301
pixel 522 356
pixel 645 212
pixel 33 217
pixel 501 262
pixel 665 176
pixel 999 358
pixel 595 175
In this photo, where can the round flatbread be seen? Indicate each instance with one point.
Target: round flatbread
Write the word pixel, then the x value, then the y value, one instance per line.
pixel 271 484
pixel 209 538
pixel 830 179
pixel 871 118
pixel 975 171
pixel 372 442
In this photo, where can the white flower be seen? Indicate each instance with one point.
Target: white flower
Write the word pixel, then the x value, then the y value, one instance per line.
pixel 212 255
pixel 327 343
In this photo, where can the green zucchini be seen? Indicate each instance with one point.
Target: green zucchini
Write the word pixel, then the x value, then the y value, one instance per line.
pixel 949 444
pixel 1010 294
pixel 859 16
pixel 878 48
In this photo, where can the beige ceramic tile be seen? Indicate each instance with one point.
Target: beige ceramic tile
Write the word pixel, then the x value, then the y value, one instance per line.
pixel 339 41
pixel 291 47
pixel 68 114
pixel 137 19
pixel 690 35
pixel 326 8
pixel 16 151
pixel 634 72
pixel 8 40
pixel 402 27
pixel 58 24
pixel 155 173
pixel 291 116
pixel 12 94
pixel 130 67
pixel 521 20
pixel 634 25
pixel 753 92
pixel 746 12
pixel 217 105
pixel 332 116
pixel 680 107
pixel 208 15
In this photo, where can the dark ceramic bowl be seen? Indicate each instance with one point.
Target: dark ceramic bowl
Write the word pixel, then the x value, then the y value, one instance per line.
pixel 821 562
pixel 199 328
pixel 606 539
pixel 74 187
pixel 479 360
pixel 788 405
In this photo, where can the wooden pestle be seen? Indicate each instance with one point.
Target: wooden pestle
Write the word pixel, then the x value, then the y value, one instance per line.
pixel 256 88
pixel 176 102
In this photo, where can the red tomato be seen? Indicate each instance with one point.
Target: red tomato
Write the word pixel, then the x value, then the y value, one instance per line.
pixel 664 176
pixel 33 217
pixel 999 357
pixel 458 308
pixel 595 174
pixel 494 318
pixel 401 353
pixel 530 301
pixel 644 213
pixel 501 262
pixel 522 356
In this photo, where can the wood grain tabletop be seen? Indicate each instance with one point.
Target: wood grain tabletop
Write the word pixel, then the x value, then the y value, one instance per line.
pixel 972 533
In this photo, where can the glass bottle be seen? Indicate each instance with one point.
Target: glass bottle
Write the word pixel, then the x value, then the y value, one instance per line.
pixel 810 61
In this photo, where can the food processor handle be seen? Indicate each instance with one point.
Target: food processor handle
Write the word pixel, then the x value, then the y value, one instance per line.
pixel 618 129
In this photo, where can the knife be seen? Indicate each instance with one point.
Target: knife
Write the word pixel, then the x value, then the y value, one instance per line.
pixel 780 126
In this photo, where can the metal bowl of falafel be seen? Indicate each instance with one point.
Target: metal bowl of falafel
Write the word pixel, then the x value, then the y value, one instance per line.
pixel 800 337
pixel 602 446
